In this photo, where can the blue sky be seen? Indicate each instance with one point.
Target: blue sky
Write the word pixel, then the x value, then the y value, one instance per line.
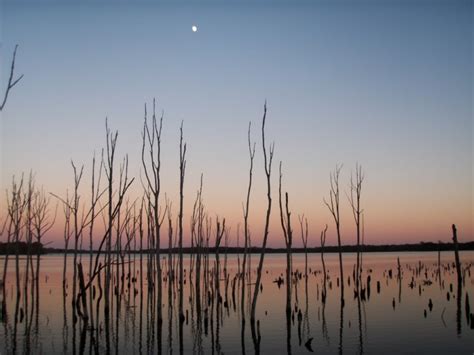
pixel 384 83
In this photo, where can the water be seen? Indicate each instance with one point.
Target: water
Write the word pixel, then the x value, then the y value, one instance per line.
pixel 392 321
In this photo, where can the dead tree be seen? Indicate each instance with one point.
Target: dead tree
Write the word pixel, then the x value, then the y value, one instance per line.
pixel 323 243
pixel 77 230
pixel 268 171
pixel 29 196
pixel 220 230
pixel 182 170
pixel 456 255
pixel 197 234
pixel 285 219
pixel 113 208
pixel 246 223
pixel 304 239
pixel 333 207
pixel 11 82
pixel 170 254
pixel 67 233
pixel 354 200
pixel 42 223
pixel 15 209
pixel 151 141
pixel 95 195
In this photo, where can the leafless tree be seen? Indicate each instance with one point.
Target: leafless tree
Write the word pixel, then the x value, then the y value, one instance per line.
pixel 16 205
pixel 113 208
pixel 151 141
pixel 456 255
pixel 67 236
pixel 42 223
pixel 95 196
pixel 304 239
pixel 246 223
pixel 220 230
pixel 29 196
pixel 182 170
pixel 354 200
pixel 333 207
pixel 76 227
pixel 323 243
pixel 268 170
pixel 285 219
pixel 197 234
pixel 11 81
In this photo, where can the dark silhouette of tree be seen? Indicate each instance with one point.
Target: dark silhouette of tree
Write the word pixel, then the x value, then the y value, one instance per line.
pixel 246 223
pixel 267 158
pixel 151 139
pixel 285 220
pixel 333 207
pixel 354 200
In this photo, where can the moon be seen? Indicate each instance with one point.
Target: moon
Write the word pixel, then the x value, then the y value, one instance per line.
pixel 194 28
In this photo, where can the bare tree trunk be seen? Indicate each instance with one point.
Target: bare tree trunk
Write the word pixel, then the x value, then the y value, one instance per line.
pixel 323 242
pixel 182 169
pixel 285 219
pixel 77 233
pixel 113 210
pixel 28 236
pixel 15 209
pixel 354 200
pixel 333 207
pixel 456 255
pixel 246 224
pixel 151 137
pixel 268 170
pixel 304 239
pixel 67 237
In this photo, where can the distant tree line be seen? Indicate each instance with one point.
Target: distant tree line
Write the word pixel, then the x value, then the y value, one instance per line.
pixel 422 246
pixel 10 248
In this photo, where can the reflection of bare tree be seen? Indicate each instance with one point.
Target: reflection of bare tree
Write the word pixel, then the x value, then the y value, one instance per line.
pixel 439 264
pixel 288 333
pixel 256 337
pixel 359 314
pixel 341 327
pixel 399 280
pixel 324 324
pixel 65 329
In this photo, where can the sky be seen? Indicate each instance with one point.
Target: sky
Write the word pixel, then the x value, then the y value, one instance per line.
pixel 387 84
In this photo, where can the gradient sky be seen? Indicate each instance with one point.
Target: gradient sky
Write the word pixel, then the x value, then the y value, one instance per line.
pixel 387 84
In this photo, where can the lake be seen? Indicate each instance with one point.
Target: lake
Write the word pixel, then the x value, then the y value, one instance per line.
pixel 418 312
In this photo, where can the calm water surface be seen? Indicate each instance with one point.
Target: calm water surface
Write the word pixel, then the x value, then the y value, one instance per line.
pixel 395 319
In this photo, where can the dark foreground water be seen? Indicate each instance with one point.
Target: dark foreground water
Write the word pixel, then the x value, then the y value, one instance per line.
pixel 395 318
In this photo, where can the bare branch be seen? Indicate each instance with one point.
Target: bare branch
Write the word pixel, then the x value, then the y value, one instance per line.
pixel 11 82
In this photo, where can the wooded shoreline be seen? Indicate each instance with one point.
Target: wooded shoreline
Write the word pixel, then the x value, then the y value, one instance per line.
pixel 419 247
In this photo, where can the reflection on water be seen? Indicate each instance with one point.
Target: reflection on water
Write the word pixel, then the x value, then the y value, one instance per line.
pixel 416 305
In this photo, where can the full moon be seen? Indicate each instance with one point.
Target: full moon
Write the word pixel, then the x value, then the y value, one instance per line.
pixel 194 28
